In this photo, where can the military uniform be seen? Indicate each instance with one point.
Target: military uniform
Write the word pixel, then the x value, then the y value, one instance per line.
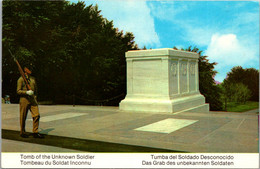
pixel 28 103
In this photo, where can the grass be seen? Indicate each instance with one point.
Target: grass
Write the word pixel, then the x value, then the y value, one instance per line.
pixel 240 107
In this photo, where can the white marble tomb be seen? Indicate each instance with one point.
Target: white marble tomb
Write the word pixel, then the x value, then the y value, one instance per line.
pixel 163 80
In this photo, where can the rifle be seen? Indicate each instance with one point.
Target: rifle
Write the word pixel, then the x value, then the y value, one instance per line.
pixel 23 75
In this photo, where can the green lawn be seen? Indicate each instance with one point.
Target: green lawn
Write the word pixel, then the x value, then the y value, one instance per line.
pixel 239 107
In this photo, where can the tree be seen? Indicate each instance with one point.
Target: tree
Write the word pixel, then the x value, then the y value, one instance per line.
pixel 248 77
pixel 74 50
pixel 207 84
pixel 236 92
pixel 25 32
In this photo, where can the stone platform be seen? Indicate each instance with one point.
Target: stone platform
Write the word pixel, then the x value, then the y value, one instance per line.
pixel 108 129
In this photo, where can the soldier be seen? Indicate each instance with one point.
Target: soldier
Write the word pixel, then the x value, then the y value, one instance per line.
pixel 28 102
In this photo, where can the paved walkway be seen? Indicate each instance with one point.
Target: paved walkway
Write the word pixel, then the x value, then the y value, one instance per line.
pixel 109 129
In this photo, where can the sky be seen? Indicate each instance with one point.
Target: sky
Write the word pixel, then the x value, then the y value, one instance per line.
pixel 226 31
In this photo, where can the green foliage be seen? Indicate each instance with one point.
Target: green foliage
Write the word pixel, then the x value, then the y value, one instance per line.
pixel 236 92
pixel 240 86
pixel 238 107
pixel 73 50
pixel 248 77
pixel 207 86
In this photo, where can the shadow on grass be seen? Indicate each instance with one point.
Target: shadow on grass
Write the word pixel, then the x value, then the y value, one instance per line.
pixel 80 144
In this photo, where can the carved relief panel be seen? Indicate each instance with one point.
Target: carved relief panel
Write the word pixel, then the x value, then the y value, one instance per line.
pixel 174 69
pixel 192 78
pixel 183 77
pixel 184 69
pixel 192 69
pixel 174 76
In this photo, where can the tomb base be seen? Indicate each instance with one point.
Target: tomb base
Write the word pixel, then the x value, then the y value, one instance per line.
pixel 194 103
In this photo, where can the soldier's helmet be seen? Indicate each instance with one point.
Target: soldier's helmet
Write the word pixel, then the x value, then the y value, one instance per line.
pixel 27 70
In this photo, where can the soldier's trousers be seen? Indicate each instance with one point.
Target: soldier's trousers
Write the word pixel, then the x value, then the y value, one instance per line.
pixel 25 105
